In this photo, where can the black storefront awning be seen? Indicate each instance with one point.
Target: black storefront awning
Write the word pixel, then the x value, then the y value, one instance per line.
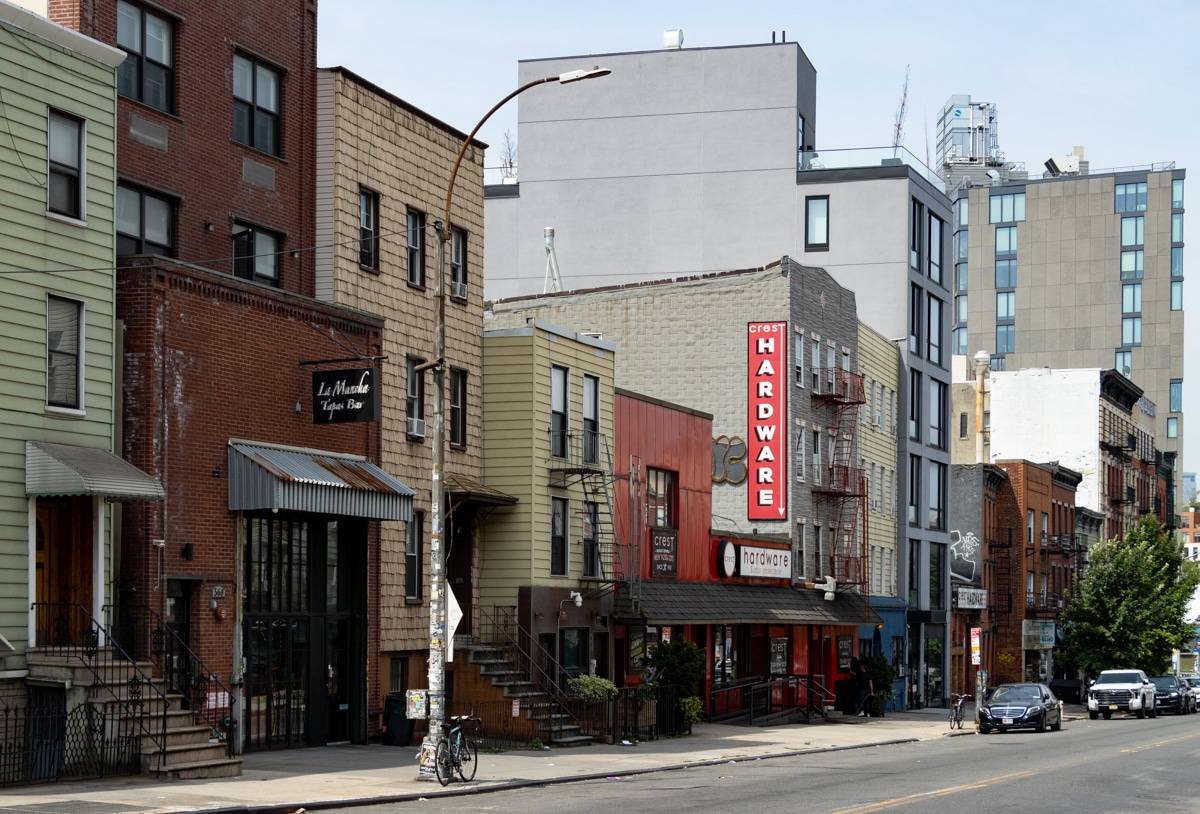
pixel 720 603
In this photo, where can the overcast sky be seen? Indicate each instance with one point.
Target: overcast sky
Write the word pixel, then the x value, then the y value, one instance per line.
pixel 1118 79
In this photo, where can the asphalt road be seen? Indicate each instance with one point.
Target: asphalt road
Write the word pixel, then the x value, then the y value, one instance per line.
pixel 1122 765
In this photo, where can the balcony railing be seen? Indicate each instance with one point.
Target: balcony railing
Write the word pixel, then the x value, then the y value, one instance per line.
pixel 866 157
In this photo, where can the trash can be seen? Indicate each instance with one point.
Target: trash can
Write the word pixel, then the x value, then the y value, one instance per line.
pixel 398 726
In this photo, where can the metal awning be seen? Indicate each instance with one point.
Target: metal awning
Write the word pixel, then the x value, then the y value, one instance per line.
pixel 69 469
pixel 266 476
pixel 718 603
pixel 468 490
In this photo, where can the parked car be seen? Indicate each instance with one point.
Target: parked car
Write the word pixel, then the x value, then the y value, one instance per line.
pixel 1017 706
pixel 1172 694
pixel 1193 682
pixel 1121 691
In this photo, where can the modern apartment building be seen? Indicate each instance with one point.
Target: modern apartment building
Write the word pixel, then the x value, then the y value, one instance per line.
pixel 1079 270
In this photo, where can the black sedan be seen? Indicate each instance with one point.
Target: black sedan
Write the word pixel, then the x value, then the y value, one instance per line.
pixel 1172 694
pixel 1020 706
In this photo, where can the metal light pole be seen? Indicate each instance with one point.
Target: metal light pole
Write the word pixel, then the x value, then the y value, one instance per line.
pixel 437 586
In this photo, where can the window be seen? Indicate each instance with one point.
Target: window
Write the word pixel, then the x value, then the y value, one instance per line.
pixel 368 228
pixel 255 254
pixel 815 358
pixel 1131 331
pixel 147 40
pixel 914 320
pixel 1029 525
pixel 1006 274
pixel 914 405
pixel 143 223
pixel 661 498
pixel 558 536
pixel 64 352
pixel 798 355
pixel 1175 400
pixel 960 309
pixel 1006 303
pixel 1133 264
pixel 935 249
pixel 914 572
pixel 414 548
pixel 591 420
pixel 64 150
pixel 801 463
pixel 1123 363
pixel 1130 198
pixel 1177 227
pixel 458 408
pixel 961 277
pixel 1172 427
pixel 960 341
pixel 1131 298
pixel 591 539
pixel 934 348
pixel 816 455
pixel 961 209
pixel 816 223
pixel 937 577
pixel 416 248
pixel 255 104
pixel 1133 231
pixel 916 241
pixel 914 489
pixel 937 495
pixel 961 245
pixel 1008 208
pixel 1006 240
pixel 559 426
pixel 1176 261
pixel 1045 528
pixel 1006 338
pixel 1177 295
pixel 458 264
pixel 937 411
pixel 962 426
pixel 414 404
pixel 1177 194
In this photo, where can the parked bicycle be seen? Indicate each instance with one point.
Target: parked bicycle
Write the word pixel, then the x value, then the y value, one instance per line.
pixel 957 708
pixel 457 751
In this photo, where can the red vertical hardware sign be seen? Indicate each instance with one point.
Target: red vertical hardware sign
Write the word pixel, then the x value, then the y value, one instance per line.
pixel 766 381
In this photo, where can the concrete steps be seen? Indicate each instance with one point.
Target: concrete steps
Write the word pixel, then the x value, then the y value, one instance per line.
pixel 538 706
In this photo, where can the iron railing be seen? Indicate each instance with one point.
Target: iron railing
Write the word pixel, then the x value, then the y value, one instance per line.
pixel 758 699
pixel 144 633
pixel 498 727
pixel 68 631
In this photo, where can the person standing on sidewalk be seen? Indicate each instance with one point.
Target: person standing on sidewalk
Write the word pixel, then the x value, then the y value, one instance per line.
pixel 866 689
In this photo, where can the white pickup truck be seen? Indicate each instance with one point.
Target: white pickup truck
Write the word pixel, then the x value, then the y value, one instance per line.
pixel 1121 691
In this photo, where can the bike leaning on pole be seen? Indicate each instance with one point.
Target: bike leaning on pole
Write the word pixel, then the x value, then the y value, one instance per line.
pixel 456 751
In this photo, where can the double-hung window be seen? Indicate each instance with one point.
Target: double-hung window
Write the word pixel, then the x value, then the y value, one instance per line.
pixel 416 248
pixel 64 353
pixel 559 426
pixel 458 264
pixel 368 228
pixel 64 148
pixel 414 404
pixel 255 254
pixel 458 408
pixel 591 420
pixel 413 553
pixel 148 73
pixel 816 223
pixel 591 539
pixel 661 498
pixel 558 536
pixel 144 223
pixel 256 97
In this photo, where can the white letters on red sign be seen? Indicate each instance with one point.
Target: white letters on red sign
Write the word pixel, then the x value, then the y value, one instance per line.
pixel 766 390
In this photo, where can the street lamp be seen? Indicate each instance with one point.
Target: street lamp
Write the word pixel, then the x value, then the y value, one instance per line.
pixel 437 605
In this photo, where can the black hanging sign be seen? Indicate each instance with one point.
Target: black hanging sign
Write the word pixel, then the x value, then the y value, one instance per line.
pixel 341 396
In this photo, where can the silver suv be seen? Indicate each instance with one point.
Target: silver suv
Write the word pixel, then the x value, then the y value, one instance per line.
pixel 1121 691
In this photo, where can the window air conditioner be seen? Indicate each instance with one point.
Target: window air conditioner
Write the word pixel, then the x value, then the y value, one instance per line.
pixel 416 427
pixel 458 290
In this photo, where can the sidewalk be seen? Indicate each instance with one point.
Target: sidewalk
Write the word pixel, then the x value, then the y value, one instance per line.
pixel 337 776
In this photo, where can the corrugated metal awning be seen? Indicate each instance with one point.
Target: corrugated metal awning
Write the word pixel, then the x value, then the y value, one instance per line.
pixel 265 476
pixel 665 602
pixel 469 490
pixel 69 469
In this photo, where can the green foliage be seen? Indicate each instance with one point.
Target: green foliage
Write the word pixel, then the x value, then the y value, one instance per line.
pixel 592 688
pixel 882 674
pixel 692 709
pixel 679 663
pixel 1129 609
pixel 536 743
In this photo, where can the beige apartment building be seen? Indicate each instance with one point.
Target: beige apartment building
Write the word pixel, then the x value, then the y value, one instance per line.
pixel 1079 270
pixel 382 170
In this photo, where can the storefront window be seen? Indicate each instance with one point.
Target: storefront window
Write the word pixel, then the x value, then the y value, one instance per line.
pixel 934 634
pixel 725 647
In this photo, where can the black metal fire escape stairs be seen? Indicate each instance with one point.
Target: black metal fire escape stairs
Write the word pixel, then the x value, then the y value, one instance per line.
pixel 844 487
pixel 584 458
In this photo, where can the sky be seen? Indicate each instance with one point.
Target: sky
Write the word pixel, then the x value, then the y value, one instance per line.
pixel 1119 80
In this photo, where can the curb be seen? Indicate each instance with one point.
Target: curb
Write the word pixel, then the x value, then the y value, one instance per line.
pixel 508 785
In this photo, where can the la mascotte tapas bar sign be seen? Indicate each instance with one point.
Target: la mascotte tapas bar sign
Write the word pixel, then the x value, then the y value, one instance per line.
pixel 342 396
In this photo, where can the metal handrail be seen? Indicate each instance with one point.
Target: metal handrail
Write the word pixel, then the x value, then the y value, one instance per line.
pixel 94 647
pixel 162 642
pixel 542 681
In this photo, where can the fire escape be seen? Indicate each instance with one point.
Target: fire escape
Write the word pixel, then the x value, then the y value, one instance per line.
pixel 584 457
pixel 843 490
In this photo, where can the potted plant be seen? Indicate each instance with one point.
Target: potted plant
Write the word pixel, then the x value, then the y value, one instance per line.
pixel 595 692
pixel 882 675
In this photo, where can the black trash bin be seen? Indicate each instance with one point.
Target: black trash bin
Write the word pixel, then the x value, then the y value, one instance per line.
pixel 398 726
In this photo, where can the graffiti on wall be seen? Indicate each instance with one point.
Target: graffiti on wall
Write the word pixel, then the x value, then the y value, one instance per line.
pixel 966 557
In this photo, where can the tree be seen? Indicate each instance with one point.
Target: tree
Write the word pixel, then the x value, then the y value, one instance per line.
pixel 1129 609
pixel 508 154
pixel 677 662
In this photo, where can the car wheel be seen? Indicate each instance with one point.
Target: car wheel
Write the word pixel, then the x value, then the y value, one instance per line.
pixel 1107 715
pixel 1041 724
pixel 1153 712
pixel 1141 713
pixel 1057 725
pixel 985 730
pixel 1093 715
